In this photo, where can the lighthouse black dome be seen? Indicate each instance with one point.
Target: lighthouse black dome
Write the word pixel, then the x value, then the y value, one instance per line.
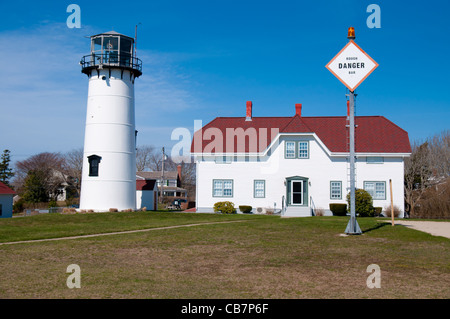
pixel 111 50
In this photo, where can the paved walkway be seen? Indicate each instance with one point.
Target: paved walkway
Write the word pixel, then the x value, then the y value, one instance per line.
pixel 116 233
pixel 433 228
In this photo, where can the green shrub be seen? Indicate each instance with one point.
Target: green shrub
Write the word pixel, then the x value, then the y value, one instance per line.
pixel 224 207
pixel 338 209
pixel 378 211
pixel 19 206
pixel 363 203
pixel 52 203
pixel 245 209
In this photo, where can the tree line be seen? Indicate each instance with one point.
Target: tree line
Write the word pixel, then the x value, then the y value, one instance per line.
pixel 41 178
pixel 427 178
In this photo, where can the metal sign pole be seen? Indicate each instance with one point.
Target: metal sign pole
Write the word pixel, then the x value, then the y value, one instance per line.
pixel 352 66
pixel 352 226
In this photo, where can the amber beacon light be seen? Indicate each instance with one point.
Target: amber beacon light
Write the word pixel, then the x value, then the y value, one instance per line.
pixel 351 33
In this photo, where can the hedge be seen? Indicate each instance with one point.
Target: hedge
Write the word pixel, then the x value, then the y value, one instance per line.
pixel 338 209
pixel 245 209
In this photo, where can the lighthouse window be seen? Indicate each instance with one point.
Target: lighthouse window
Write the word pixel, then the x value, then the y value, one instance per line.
pixel 94 161
pixel 125 46
pixel 125 51
pixel 110 50
pixel 110 43
pixel 97 45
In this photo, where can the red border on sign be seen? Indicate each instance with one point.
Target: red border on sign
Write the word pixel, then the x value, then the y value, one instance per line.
pixel 352 88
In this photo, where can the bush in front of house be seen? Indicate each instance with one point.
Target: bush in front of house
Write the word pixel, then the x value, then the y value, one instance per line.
pixel 19 206
pixel 363 203
pixel 224 207
pixel 338 209
pixel 52 203
pixel 387 211
pixel 245 209
pixel 378 211
pixel 319 212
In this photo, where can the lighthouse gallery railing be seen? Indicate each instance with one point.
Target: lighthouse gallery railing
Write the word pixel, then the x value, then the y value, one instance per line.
pixel 111 59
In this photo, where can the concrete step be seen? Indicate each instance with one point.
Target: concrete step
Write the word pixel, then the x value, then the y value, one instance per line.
pixel 293 211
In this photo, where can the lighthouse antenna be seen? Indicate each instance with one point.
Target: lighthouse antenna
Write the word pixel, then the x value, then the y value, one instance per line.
pixel 135 39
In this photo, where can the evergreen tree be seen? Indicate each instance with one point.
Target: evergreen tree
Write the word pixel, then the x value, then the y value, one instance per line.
pixel 34 187
pixel 6 172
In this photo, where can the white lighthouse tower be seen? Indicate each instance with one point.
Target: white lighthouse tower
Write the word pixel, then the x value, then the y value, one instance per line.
pixel 109 160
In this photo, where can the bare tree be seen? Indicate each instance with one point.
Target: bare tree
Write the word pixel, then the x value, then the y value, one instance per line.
pixel 439 155
pixel 150 158
pixel 145 156
pixel 73 168
pixel 417 175
pixel 156 161
pixel 428 165
pixel 188 177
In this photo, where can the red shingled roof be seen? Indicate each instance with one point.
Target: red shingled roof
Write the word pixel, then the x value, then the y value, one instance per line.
pixel 374 134
pixel 6 190
pixel 145 185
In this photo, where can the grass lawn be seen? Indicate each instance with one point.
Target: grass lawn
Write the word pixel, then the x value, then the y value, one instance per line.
pixel 260 257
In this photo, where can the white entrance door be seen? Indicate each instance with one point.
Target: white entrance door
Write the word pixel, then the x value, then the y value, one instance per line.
pixel 297 192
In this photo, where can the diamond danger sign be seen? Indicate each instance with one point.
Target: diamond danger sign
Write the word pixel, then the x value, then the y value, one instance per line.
pixel 352 65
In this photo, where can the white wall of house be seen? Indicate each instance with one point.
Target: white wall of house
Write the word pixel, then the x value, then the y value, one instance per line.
pixel 320 168
pixel 6 205
pixel 146 198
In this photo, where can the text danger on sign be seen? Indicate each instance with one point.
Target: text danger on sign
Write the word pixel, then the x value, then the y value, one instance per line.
pixel 352 65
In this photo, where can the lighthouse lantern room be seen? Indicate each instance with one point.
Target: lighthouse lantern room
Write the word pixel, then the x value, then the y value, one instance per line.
pixel 109 157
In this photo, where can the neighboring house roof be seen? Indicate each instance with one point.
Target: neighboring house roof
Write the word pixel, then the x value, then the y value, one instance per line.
pixel 157 175
pixel 373 134
pixel 5 190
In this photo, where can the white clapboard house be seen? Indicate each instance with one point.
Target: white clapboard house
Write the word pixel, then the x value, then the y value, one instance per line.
pixel 296 165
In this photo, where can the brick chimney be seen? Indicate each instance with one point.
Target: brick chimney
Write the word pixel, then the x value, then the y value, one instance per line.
pixel 248 116
pixel 179 171
pixel 298 109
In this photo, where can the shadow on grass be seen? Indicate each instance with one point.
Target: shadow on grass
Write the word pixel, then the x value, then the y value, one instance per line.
pixel 377 226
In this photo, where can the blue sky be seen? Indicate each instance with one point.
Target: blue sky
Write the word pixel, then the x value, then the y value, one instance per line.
pixel 203 59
